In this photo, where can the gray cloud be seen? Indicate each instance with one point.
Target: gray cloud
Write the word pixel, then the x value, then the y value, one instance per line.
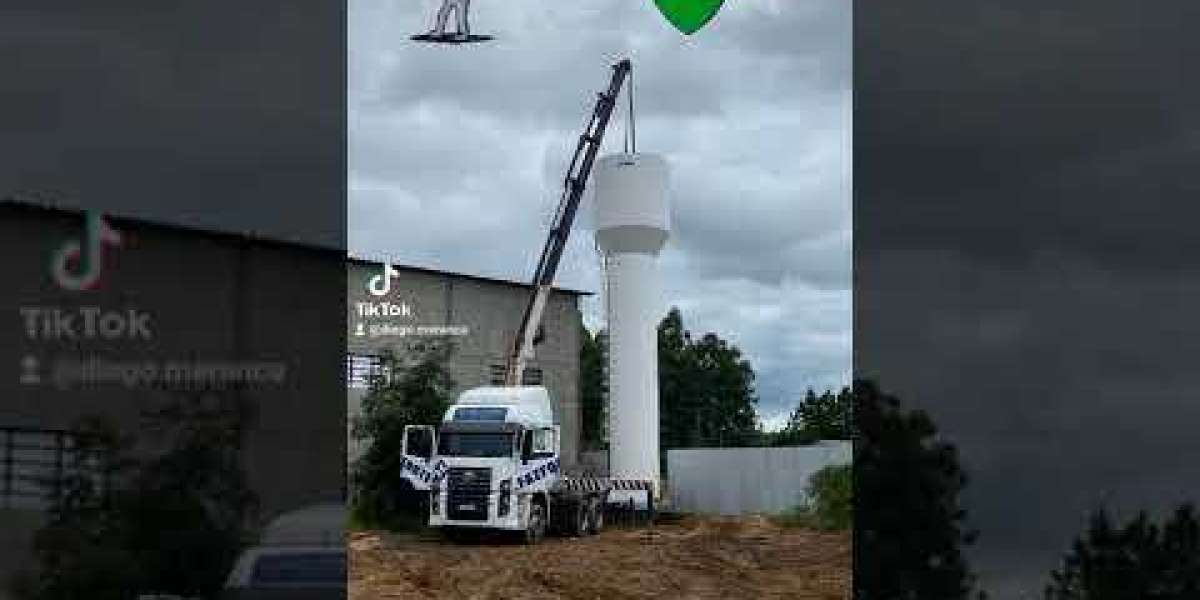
pixel 227 119
pixel 1024 255
pixel 457 156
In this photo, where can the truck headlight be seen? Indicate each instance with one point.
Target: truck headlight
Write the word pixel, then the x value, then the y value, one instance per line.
pixel 504 503
pixel 435 501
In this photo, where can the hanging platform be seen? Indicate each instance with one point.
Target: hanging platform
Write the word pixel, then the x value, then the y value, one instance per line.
pixel 450 38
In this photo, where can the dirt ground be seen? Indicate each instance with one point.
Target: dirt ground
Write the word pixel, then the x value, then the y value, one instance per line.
pixel 694 558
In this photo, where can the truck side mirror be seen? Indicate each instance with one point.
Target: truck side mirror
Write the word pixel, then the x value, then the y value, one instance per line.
pixel 418 441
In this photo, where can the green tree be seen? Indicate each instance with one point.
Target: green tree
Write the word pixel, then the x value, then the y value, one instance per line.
pixel 1140 560
pixel 129 521
pixel 193 505
pixel 416 391
pixel 829 503
pixel 909 529
pixel 706 389
pixel 832 493
pixel 828 416
pixel 592 387
pixel 678 407
pixel 726 393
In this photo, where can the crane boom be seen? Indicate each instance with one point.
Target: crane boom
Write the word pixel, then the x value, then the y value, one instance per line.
pixel 573 187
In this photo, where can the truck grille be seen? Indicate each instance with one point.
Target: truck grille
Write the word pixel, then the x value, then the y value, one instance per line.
pixel 467 493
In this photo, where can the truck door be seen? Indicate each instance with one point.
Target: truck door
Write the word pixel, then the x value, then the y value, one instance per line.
pixel 417 463
pixel 539 459
pixel 545 443
pixel 539 444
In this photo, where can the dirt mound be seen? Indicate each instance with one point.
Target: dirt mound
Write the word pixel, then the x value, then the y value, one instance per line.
pixel 694 558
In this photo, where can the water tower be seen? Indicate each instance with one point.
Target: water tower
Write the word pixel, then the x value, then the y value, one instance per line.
pixel 632 224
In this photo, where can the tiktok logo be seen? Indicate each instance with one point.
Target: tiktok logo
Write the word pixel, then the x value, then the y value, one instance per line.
pixel 78 265
pixel 381 285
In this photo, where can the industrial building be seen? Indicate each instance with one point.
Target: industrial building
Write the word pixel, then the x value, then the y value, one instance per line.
pixel 173 315
pixel 478 317
pixel 243 307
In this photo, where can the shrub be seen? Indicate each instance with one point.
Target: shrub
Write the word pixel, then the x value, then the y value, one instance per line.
pixel 831 491
pixel 411 392
pixel 830 502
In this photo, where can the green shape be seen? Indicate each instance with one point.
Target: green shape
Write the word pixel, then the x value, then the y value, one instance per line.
pixel 689 16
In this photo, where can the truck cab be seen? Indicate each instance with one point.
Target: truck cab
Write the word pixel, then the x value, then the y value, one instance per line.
pixel 494 463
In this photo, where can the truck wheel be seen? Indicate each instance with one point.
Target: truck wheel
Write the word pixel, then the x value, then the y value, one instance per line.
pixel 595 516
pixel 536 529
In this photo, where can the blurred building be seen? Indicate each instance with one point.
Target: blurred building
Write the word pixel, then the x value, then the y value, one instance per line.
pixel 175 314
pixel 154 315
pixel 477 317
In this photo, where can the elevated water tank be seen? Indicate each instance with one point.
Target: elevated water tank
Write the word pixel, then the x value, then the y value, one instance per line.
pixel 631 207
pixel 632 224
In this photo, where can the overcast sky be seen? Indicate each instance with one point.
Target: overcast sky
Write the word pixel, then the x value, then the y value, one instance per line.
pixel 457 156
pixel 222 115
pixel 1025 255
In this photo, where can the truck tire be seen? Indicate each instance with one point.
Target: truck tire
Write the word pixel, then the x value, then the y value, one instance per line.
pixel 535 530
pixel 595 516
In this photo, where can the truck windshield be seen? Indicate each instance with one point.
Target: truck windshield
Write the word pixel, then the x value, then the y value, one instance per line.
pixel 480 413
pixel 475 444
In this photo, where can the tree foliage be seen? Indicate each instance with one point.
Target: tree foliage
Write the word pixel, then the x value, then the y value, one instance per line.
pixel 828 416
pixel 908 526
pixel 832 493
pixel 592 388
pixel 829 504
pixel 131 521
pixel 1140 560
pixel 416 391
pixel 706 389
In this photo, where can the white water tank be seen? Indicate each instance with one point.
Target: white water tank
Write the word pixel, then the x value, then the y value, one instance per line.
pixel 632 224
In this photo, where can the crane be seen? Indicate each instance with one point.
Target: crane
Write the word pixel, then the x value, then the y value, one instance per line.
pixel 524 468
pixel 573 186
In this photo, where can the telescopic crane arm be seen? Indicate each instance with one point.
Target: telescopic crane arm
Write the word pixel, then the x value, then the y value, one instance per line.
pixel 564 216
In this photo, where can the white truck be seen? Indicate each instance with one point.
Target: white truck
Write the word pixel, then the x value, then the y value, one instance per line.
pixel 494 463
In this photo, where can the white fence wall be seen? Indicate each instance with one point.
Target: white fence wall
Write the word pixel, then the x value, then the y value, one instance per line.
pixel 738 481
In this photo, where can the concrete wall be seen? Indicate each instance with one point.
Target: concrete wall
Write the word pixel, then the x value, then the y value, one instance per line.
pixel 490 312
pixel 738 481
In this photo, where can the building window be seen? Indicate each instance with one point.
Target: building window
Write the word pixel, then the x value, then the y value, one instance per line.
pixel 496 374
pixel 531 376
pixel 361 369
pixel 36 463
